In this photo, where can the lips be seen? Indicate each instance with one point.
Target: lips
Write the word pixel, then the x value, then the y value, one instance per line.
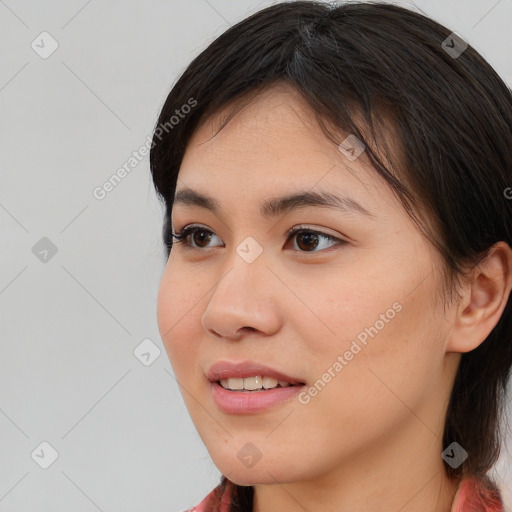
pixel 247 402
pixel 243 369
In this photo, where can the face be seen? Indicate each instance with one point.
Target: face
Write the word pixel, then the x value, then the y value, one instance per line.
pixel 347 306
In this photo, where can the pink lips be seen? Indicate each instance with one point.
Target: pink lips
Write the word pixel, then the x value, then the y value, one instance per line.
pixel 226 370
pixel 249 402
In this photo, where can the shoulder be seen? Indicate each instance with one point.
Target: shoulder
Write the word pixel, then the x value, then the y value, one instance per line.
pixel 477 495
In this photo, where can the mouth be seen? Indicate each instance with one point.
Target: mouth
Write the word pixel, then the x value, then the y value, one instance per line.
pixel 255 384
pixel 249 376
pixel 249 387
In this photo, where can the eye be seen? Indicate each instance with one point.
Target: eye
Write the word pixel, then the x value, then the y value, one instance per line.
pixel 189 232
pixel 307 238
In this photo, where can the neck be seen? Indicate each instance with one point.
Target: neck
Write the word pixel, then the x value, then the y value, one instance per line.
pixel 428 492
pixel 404 472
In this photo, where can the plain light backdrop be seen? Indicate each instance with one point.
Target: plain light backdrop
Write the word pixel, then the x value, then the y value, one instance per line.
pixel 79 275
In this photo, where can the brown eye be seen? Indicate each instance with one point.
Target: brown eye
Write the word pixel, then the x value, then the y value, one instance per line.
pixel 200 237
pixel 309 239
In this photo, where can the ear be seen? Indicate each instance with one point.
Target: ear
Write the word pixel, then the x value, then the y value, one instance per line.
pixel 483 299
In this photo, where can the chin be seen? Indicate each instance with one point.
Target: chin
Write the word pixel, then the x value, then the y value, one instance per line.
pixel 263 472
pixel 251 477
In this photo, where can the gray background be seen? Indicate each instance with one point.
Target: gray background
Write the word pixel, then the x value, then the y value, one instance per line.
pixel 70 323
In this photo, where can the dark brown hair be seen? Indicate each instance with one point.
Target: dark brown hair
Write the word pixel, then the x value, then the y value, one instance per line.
pixel 371 68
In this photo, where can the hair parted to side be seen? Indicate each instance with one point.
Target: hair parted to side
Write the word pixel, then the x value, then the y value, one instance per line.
pixel 379 71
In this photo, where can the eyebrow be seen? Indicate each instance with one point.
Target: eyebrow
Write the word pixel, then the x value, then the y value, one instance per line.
pixel 278 206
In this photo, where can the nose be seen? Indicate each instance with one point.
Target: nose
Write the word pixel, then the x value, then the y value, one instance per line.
pixel 242 302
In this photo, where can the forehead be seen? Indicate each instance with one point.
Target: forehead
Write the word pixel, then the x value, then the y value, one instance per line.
pixel 272 133
pixel 274 113
pixel 273 145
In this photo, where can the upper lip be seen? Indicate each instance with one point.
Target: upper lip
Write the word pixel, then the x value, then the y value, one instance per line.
pixel 226 370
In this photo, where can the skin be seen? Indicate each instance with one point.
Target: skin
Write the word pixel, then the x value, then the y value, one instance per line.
pixel 371 439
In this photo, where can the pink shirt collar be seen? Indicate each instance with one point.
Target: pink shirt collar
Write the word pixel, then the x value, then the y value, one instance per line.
pixel 475 495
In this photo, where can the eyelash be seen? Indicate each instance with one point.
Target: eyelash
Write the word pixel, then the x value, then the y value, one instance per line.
pixel 182 236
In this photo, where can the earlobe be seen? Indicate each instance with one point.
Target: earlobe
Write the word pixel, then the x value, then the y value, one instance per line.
pixel 483 300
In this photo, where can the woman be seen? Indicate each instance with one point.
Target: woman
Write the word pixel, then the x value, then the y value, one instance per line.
pixel 336 305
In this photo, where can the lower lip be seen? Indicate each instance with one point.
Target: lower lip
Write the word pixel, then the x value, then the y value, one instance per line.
pixel 248 402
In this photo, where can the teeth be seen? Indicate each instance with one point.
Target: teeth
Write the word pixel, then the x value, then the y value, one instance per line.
pixel 269 382
pixel 252 383
pixel 233 383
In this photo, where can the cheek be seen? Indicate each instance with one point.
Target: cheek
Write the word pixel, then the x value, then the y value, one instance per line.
pixel 390 339
pixel 342 312
pixel 387 367
pixel 178 318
